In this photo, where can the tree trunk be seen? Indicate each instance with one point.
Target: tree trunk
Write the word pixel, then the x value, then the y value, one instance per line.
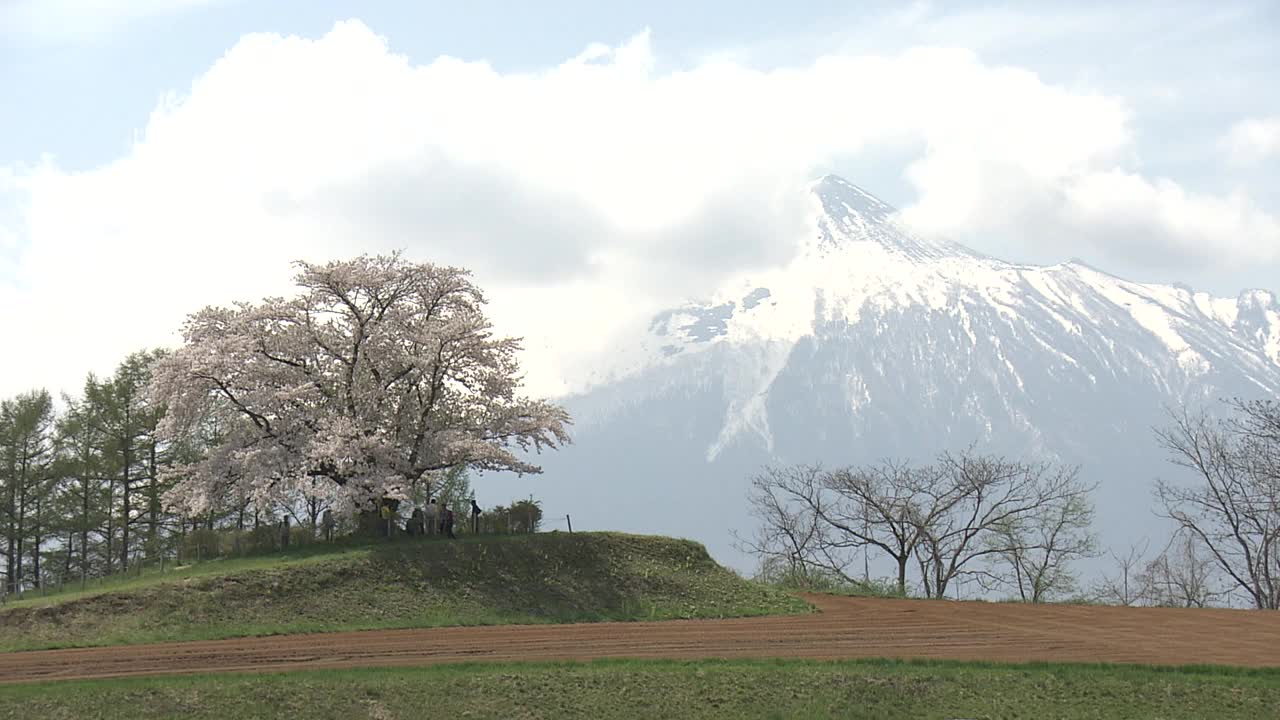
pixel 313 513
pixel 19 551
pixel 153 502
pixel 127 491
pixel 109 549
pixel 11 538
pixel 35 553
pixel 66 561
pixel 84 529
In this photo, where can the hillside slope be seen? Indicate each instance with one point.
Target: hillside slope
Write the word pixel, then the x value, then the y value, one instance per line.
pixel 554 577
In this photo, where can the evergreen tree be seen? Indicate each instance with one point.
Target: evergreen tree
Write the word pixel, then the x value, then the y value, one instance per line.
pixel 82 492
pixel 128 420
pixel 27 451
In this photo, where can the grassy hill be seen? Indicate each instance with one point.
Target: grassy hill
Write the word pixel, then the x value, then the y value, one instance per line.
pixel 551 577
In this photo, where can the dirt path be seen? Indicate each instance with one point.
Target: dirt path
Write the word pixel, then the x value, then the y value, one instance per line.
pixel 846 628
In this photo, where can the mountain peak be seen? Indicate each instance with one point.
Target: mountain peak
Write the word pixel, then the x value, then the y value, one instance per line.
pixel 840 197
pixel 851 215
pixel 1256 298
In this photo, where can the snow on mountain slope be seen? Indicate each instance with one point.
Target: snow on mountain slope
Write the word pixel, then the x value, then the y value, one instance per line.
pixel 872 343
pixel 860 263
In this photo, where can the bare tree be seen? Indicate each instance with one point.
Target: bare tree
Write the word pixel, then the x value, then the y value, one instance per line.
pixel 877 506
pixel 1183 575
pixel 945 515
pixel 970 512
pixel 1127 586
pixel 1258 423
pixel 791 540
pixel 1234 507
pixel 1035 549
pixel 786 534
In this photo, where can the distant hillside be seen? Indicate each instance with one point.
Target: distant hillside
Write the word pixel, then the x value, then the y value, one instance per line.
pixel 551 577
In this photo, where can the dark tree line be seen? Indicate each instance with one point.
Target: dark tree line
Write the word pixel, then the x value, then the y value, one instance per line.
pixel 77 489
pixel 82 484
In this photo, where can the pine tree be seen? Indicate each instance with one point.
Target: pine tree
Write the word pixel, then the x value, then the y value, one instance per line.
pixel 128 421
pixel 83 494
pixel 27 451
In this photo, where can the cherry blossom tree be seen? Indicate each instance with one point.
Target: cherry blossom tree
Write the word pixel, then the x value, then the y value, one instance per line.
pixel 379 375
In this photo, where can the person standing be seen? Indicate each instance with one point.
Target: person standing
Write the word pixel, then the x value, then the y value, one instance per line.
pixel 475 517
pixel 448 524
pixel 387 516
pixel 328 524
pixel 433 518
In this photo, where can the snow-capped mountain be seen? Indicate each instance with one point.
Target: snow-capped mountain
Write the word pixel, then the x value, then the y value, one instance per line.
pixel 875 343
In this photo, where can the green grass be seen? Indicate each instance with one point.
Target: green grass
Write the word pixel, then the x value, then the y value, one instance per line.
pixel 550 577
pixel 153 575
pixel 666 689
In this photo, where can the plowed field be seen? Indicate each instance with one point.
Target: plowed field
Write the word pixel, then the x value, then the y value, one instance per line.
pixel 845 628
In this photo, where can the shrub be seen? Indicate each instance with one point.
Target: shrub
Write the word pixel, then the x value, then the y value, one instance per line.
pixel 812 579
pixel 202 544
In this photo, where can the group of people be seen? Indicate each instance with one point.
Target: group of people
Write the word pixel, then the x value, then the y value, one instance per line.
pixel 438 518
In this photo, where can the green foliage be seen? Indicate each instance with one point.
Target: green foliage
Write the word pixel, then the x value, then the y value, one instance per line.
pixel 26 460
pixel 522 516
pixel 546 577
pixel 454 489
pixel 202 543
pixel 881 689
pixel 81 494
pixel 808 578
pixel 301 536
pixel 208 544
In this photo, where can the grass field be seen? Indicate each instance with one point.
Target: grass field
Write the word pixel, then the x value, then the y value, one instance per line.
pixel 658 689
pixel 552 577
pixel 152 575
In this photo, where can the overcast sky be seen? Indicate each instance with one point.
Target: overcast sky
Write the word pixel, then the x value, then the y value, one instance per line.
pixel 161 155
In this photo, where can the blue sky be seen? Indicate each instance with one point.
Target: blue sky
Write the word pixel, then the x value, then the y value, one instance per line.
pixel 187 150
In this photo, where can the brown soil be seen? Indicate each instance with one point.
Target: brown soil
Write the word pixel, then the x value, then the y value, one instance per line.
pixel 846 628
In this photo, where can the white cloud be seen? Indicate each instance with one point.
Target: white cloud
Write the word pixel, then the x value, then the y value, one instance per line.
pixel 582 194
pixel 1254 140
pixel 1107 215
